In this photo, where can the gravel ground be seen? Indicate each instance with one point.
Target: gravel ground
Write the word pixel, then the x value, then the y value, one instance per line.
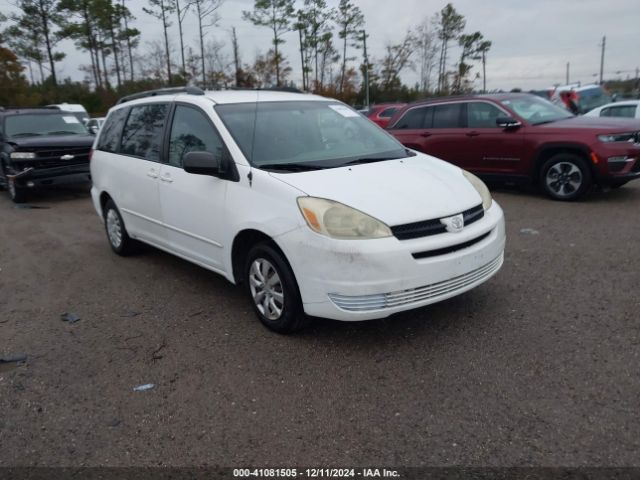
pixel 538 366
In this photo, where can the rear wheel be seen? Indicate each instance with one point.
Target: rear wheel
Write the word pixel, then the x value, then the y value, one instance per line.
pixel 117 235
pixel 565 177
pixel 273 290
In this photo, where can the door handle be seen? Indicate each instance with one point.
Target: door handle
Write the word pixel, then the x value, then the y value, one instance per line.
pixel 472 134
pixel 152 173
pixel 166 178
pixel 425 134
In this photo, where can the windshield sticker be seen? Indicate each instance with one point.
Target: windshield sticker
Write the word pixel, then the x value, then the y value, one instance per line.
pixel 344 111
pixel 70 119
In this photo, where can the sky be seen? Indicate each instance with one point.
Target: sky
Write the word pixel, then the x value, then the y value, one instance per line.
pixel 532 39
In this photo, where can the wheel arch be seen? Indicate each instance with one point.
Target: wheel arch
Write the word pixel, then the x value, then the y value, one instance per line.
pixel 545 152
pixel 104 198
pixel 242 243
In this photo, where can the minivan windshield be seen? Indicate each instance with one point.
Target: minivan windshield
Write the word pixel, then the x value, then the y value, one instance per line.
pixel 43 124
pixel 306 135
pixel 536 110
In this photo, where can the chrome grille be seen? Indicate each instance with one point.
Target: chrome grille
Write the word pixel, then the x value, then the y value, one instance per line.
pixel 364 303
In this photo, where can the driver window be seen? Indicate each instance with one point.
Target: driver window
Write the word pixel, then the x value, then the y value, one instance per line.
pixel 191 131
pixel 482 115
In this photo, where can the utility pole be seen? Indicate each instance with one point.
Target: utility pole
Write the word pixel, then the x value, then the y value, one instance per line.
pixel 568 65
pixel 366 68
pixel 484 72
pixel 604 42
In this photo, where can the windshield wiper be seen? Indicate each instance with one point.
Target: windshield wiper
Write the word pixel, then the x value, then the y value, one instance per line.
pixel 360 161
pixel 25 134
pixel 62 132
pixel 291 167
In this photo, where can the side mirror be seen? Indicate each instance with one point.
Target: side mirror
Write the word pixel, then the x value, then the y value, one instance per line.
pixel 93 129
pixel 203 163
pixel 508 123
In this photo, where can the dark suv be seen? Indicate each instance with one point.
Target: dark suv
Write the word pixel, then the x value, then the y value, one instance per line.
pixel 521 137
pixel 42 146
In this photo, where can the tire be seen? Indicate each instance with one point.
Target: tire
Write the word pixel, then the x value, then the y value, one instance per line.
pixel 279 308
pixel 16 193
pixel 565 176
pixel 117 235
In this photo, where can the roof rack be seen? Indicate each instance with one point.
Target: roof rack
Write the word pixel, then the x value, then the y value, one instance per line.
pixel 13 107
pixel 162 91
pixel 270 89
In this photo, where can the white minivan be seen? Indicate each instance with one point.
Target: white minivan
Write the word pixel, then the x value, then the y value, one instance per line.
pixel 309 205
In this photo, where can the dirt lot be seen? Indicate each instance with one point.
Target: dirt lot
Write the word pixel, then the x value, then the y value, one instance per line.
pixel 539 366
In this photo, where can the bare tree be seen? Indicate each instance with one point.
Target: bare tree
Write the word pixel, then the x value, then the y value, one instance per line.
pixel 396 59
pixel 161 9
pixel 426 51
pixel 206 12
pixel 181 13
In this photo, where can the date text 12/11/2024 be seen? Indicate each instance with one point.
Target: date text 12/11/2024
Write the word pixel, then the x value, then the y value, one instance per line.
pixel 315 473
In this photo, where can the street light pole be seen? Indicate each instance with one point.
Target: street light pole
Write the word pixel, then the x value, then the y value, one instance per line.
pixel 604 42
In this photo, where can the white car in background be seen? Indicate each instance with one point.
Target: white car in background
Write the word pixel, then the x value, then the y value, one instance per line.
pixel 95 124
pixel 304 201
pixel 75 108
pixel 621 109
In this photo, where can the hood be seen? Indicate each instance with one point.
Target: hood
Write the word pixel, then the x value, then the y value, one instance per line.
pixel 393 191
pixel 604 124
pixel 53 141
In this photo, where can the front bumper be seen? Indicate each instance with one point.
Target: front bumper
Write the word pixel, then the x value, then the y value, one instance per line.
pixel 64 175
pixel 622 164
pixel 368 279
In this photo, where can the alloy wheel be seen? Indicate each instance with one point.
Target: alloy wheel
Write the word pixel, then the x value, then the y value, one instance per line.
pixel 564 179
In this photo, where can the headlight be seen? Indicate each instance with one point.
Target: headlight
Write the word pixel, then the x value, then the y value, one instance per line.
pixel 23 155
pixel 336 220
pixel 629 137
pixel 482 189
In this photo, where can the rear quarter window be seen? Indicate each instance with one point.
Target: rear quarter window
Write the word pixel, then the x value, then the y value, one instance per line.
pixel 109 140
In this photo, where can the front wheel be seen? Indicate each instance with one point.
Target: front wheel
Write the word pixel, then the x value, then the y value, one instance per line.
pixel 565 177
pixel 273 290
pixel 16 193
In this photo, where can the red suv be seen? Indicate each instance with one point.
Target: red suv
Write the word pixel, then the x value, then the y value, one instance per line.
pixel 382 113
pixel 521 137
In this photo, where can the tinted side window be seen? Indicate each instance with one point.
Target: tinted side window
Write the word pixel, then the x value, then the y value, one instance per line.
pixel 414 118
pixel 388 112
pixel 482 115
pixel 142 133
pixel 191 131
pixel 447 116
pixel 624 111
